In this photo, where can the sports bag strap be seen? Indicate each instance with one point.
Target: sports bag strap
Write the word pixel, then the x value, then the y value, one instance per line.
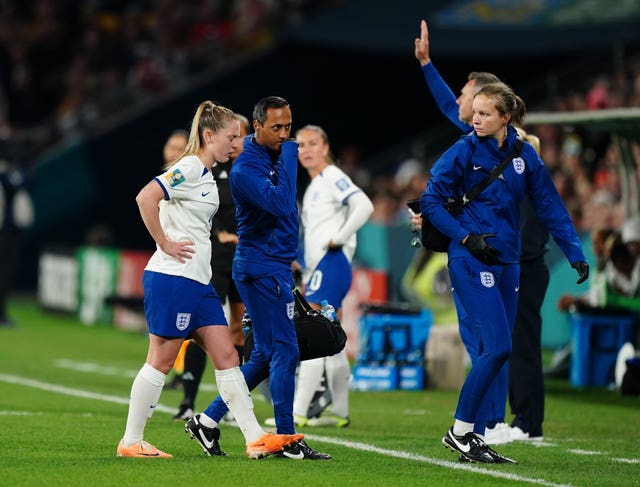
pixel 495 172
pixel 301 303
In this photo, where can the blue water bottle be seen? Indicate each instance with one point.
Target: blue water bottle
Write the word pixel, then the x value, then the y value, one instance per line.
pixel 246 323
pixel 328 311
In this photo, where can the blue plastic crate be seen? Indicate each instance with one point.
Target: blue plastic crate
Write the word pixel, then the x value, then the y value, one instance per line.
pixel 367 377
pixel 411 377
pixel 399 338
pixel 596 340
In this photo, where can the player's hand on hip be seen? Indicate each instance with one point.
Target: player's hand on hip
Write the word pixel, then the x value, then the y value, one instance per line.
pixel 182 251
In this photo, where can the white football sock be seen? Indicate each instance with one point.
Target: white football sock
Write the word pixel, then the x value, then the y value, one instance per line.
pixel 460 428
pixel 233 390
pixel 205 420
pixel 145 393
pixel 308 381
pixel 338 372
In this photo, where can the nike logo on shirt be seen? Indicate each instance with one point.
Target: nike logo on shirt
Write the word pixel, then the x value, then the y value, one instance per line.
pixel 205 194
pixel 475 168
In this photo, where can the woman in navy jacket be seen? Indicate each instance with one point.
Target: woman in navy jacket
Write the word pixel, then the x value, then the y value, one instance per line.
pixel 484 252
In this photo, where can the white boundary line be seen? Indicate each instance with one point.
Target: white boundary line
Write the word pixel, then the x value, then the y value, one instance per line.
pixel 23 381
pixel 96 368
pixel 432 461
pixel 45 386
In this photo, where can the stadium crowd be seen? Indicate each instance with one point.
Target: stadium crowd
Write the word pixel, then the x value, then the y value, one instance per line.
pixel 67 65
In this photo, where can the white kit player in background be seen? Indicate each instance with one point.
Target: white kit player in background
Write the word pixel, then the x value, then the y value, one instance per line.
pixel 333 210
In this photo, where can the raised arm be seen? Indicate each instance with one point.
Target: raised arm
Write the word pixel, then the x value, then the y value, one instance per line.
pixel 442 94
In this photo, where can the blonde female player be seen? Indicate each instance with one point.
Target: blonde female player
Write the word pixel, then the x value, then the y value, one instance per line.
pixel 177 208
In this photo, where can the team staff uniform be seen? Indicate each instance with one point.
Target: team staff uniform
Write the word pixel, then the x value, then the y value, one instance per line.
pixel 333 210
pixel 263 186
pixel 522 376
pixel 179 301
pixel 491 414
pixel 264 190
pixel 484 252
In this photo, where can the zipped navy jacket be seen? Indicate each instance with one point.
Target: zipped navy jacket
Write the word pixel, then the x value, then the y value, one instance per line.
pixel 534 236
pixel 496 209
pixel 263 186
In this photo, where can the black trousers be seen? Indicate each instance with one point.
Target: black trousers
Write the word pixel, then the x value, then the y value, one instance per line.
pixel 11 252
pixel 526 382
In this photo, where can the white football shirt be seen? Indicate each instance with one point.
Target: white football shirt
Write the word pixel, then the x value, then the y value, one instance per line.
pixel 324 211
pixel 191 200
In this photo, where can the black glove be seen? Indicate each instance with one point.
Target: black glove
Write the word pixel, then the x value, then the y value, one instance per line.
pixel 480 249
pixel 583 270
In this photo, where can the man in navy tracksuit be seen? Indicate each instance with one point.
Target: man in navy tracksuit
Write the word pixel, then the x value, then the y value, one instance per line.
pixel 263 186
pixel 484 252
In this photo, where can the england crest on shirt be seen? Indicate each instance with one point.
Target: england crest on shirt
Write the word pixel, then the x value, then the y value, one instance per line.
pixel 518 165
pixel 342 184
pixel 486 278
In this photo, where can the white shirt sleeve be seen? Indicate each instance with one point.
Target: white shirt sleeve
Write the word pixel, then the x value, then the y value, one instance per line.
pixel 360 209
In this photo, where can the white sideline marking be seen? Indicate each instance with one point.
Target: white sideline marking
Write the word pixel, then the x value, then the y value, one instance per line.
pixel 433 461
pixel 23 381
pixel 95 368
pixel 20 413
pixel 584 452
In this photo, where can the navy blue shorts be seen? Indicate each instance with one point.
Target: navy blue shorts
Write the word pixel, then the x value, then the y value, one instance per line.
pixel 174 306
pixel 330 280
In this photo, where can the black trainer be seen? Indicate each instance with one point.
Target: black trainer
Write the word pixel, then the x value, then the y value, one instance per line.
pixel 496 457
pixel 301 451
pixel 207 437
pixel 469 446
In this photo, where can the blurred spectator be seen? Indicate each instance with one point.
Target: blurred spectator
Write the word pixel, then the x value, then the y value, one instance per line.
pixel 616 284
pixel 16 215
pixel 386 203
pixel 598 95
pixel 349 161
pixel 65 66
pixel 426 283
pixel 602 239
